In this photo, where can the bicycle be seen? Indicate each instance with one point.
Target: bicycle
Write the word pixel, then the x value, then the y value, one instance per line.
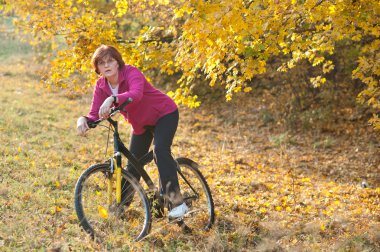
pixel 106 207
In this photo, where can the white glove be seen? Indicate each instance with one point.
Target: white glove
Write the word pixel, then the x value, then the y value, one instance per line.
pixel 82 126
pixel 105 109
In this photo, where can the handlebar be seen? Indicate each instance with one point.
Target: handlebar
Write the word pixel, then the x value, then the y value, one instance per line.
pixel 114 111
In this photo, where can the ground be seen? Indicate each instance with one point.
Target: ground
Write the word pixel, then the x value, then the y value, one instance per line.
pixel 274 189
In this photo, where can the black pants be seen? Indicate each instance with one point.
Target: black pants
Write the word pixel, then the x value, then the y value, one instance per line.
pixel 164 132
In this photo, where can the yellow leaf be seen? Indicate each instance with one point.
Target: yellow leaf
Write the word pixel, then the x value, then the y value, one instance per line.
pixel 209 42
pixel 282 44
pixel 103 212
pixel 318 60
pixel 323 227
pixel 332 9
pixel 305 180
pixel 357 37
pixel 228 97
pixel 247 89
pixel 251 199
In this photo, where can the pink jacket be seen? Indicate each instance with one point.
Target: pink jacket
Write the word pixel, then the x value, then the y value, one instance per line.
pixel 148 105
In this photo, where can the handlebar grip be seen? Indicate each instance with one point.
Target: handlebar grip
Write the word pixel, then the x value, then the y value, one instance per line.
pixel 113 110
pixel 92 125
pixel 129 100
pixel 121 107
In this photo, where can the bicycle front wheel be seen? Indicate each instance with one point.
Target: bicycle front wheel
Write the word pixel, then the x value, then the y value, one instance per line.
pixel 196 194
pixel 98 213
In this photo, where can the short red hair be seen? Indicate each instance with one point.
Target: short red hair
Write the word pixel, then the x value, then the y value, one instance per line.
pixel 103 51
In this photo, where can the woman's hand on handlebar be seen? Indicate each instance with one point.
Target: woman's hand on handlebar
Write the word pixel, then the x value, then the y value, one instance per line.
pixel 104 112
pixel 82 126
pixel 105 109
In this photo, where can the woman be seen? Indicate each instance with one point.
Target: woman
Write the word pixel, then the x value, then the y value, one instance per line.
pixel 149 106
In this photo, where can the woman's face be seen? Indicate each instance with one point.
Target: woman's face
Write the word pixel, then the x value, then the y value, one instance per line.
pixel 108 67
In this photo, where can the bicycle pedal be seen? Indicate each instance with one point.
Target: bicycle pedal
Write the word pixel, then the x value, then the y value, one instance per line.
pixel 175 220
pixel 181 223
pixel 186 229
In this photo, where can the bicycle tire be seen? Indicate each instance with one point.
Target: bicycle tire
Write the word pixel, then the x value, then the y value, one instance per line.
pixel 202 213
pixel 97 222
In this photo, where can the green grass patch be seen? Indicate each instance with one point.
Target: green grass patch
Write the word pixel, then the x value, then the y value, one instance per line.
pixel 10 44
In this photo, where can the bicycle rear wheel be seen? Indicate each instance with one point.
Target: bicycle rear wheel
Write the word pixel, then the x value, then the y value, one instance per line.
pixel 196 194
pixel 111 222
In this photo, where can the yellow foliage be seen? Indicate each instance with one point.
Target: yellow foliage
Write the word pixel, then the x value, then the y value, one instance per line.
pixel 102 212
pixel 323 227
pixel 228 41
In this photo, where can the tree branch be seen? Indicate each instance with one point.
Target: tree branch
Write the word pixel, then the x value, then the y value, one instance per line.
pixel 132 41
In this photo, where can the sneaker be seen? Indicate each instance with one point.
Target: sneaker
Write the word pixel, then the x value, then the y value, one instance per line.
pixel 178 211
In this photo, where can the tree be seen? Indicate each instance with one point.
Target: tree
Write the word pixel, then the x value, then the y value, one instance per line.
pixel 226 41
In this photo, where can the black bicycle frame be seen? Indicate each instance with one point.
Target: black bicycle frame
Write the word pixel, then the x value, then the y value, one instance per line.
pixel 119 147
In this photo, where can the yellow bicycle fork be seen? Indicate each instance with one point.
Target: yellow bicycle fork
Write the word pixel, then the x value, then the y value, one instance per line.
pixel 111 179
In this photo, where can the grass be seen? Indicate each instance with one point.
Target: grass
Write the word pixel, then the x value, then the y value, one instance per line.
pixel 33 161
pixel 10 44
pixel 264 201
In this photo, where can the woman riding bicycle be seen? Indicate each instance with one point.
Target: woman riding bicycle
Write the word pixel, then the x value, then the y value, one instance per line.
pixel 149 107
